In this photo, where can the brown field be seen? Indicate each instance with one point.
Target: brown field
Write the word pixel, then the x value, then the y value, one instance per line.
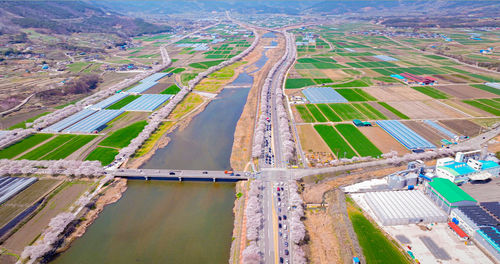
pixel 465 91
pixel 310 140
pixel 59 203
pixel 383 141
pixel 293 73
pixel 396 93
pixel 417 110
pixel 25 199
pixel 296 115
pixel 158 88
pixel 449 79
pixel 370 73
pixel 495 147
pixel 383 110
pixel 468 109
pixel 424 131
pixel 334 74
pixel 341 59
pixel 444 108
pixel 464 127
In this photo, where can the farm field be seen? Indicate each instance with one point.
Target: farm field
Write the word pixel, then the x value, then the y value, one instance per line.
pixel 10 209
pixel 382 140
pixel 123 102
pixel 335 142
pixel 69 147
pixel 122 137
pixel 328 112
pixel 46 148
pixel 486 105
pixel 463 127
pixel 103 154
pixel 426 132
pixel 358 141
pixel 312 144
pixel 304 114
pixel 316 113
pixel 23 145
pixel 432 92
pixel 60 200
pixel 173 89
pixel 355 95
pixel 465 91
pixel 347 111
pixel 298 83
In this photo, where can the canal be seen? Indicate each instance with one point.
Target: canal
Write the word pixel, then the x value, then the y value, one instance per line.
pixel 171 222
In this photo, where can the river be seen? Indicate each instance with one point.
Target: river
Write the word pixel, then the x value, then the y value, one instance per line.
pixel 171 222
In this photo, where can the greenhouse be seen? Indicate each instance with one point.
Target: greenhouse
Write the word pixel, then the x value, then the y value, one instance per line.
pixel 404 207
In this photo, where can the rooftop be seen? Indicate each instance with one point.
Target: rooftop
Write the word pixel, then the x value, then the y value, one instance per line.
pixel 488 164
pixel 450 191
pixel 458 168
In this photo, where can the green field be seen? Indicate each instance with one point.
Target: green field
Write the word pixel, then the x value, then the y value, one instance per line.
pixel 172 89
pixel 71 146
pixel 335 142
pixel 29 120
pixel 123 102
pixel 46 148
pixel 355 83
pixel 376 247
pixel 304 114
pixel 486 88
pixel 328 112
pixel 298 83
pixel 102 154
pixel 358 141
pixel 355 95
pixel 347 111
pixel 122 137
pixel 205 64
pixel 186 77
pixel 485 105
pixel 369 111
pixel 23 145
pixel 393 110
pixel 316 113
pixel 322 80
pixel 432 92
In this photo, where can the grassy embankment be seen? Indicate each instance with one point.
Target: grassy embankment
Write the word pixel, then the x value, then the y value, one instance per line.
pixel 377 248
pixel 216 80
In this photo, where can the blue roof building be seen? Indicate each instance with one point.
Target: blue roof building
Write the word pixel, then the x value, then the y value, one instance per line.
pixel 470 169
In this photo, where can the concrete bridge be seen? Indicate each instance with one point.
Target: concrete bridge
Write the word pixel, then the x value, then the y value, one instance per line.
pixel 181 175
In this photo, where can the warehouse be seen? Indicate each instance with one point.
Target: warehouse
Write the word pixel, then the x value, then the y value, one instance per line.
pixel 466 166
pixel 447 195
pixel 404 207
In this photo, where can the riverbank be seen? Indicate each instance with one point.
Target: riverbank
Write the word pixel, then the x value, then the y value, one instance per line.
pixel 239 226
pixel 111 194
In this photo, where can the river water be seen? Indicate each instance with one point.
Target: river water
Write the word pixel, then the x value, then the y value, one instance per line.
pixel 171 222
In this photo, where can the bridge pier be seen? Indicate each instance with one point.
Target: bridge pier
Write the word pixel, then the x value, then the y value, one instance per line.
pixel 180 179
pixel 146 178
pixel 214 179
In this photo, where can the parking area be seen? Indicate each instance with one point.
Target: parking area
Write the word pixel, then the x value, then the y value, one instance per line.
pixel 484 192
pixel 439 245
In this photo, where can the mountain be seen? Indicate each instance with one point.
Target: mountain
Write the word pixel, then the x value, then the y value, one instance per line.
pixel 64 17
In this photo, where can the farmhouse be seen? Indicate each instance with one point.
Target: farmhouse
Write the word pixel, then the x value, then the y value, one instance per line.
pixel 414 79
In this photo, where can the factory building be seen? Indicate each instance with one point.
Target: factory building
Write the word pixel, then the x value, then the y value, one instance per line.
pixel 466 166
pixel 404 207
pixel 447 195
pixel 482 222
pixel 415 79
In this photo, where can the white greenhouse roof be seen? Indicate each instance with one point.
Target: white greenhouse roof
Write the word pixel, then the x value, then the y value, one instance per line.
pixel 404 207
